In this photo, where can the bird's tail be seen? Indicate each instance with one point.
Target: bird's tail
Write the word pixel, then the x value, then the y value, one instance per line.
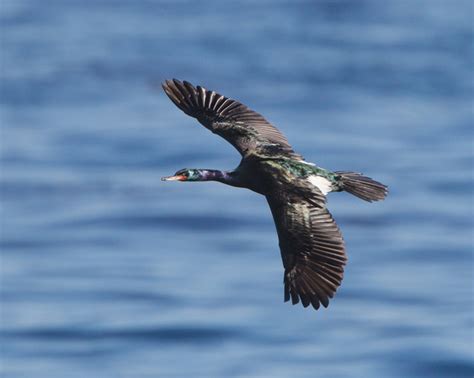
pixel 362 186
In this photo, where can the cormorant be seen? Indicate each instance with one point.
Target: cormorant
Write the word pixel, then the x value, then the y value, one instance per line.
pixel 311 245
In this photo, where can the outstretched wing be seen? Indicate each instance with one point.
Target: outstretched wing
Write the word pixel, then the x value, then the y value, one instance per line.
pixel 245 129
pixel 312 249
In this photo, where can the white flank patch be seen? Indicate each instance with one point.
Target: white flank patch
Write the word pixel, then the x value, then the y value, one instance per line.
pixel 305 162
pixel 324 185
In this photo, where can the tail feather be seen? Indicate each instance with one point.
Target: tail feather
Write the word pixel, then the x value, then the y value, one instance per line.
pixel 362 186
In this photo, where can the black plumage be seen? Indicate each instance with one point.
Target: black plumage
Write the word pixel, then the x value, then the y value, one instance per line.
pixel 245 129
pixel 311 245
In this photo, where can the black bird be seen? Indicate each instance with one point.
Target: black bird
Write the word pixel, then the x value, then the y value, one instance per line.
pixel 312 247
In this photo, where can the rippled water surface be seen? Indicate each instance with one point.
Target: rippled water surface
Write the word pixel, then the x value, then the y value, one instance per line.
pixel 108 272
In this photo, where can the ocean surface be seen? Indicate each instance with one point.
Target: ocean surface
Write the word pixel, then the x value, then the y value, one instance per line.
pixel 106 271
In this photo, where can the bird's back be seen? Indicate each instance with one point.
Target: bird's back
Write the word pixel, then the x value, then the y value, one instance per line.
pixel 268 176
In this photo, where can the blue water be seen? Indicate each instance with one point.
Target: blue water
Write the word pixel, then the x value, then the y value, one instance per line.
pixel 108 272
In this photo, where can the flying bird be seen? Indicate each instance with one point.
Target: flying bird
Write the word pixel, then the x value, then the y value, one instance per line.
pixel 311 244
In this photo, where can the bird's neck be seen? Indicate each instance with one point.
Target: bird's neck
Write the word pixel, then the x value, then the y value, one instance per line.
pixel 226 177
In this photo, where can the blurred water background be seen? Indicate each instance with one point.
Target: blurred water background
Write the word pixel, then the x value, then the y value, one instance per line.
pixel 108 272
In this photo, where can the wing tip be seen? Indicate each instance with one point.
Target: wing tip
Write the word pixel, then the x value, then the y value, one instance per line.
pixel 182 94
pixel 310 290
pixel 175 84
pixel 313 300
pixel 168 82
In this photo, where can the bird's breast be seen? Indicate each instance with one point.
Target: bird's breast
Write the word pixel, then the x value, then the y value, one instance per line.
pixel 257 176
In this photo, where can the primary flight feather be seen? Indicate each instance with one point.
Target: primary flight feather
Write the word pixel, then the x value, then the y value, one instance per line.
pixel 311 244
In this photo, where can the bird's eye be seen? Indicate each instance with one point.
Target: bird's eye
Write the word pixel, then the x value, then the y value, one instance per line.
pixel 182 172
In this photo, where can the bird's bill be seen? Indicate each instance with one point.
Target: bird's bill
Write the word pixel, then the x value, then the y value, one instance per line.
pixel 174 178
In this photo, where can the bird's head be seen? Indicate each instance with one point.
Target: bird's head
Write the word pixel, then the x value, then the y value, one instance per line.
pixel 186 174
